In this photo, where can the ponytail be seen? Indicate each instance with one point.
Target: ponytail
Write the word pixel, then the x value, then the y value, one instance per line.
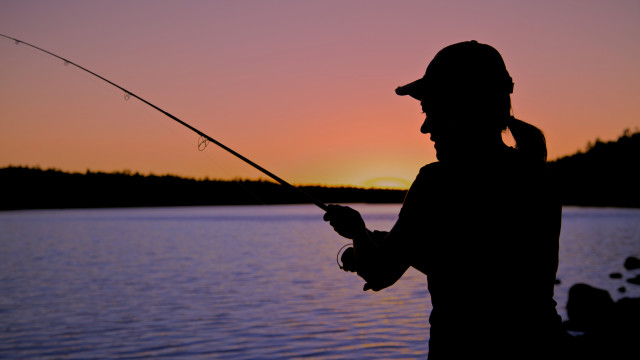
pixel 530 140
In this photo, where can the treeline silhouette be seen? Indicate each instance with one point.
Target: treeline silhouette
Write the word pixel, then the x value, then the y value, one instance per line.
pixel 34 188
pixel 605 174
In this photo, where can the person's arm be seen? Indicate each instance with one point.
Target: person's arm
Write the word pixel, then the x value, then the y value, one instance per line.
pixel 375 257
pixel 382 258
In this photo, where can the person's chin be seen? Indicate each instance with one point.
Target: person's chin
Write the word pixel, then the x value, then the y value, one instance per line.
pixel 439 153
pixel 445 155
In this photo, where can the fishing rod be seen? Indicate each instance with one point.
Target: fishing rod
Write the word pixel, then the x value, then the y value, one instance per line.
pixel 201 144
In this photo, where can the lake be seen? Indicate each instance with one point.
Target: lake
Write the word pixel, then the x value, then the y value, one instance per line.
pixel 236 282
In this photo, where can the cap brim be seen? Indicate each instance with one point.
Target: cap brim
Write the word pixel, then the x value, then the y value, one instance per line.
pixel 414 89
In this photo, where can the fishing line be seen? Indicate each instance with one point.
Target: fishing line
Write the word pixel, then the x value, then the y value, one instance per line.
pixel 203 139
pixel 338 255
pixel 201 144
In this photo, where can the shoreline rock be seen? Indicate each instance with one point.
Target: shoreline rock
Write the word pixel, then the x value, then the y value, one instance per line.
pixel 606 329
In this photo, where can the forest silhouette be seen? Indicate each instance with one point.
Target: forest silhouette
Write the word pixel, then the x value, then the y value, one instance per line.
pixel 605 174
pixel 602 175
pixel 34 188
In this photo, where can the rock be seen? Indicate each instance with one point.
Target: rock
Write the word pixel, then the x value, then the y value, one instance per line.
pixel 634 280
pixel 632 263
pixel 589 308
pixel 627 323
pixel 628 314
pixel 615 275
pixel 608 330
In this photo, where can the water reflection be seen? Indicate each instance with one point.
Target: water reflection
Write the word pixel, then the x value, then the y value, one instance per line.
pixel 232 282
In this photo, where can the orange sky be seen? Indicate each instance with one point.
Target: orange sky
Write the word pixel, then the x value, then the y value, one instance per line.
pixel 303 88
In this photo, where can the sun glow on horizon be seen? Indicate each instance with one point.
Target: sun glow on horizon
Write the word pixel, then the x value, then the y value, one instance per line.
pixel 388 183
pixel 310 102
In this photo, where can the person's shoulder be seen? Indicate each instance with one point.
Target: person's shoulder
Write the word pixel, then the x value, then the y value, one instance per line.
pixel 430 169
pixel 430 176
pixel 427 175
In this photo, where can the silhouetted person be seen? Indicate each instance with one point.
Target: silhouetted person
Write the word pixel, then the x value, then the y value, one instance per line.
pixel 482 222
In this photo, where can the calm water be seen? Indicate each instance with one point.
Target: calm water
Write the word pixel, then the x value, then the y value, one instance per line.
pixel 234 283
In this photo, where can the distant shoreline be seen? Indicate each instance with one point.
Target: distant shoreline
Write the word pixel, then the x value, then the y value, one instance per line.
pixel 34 188
pixel 602 176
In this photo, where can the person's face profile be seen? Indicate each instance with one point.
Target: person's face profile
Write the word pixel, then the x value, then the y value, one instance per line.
pixel 442 123
pixel 437 122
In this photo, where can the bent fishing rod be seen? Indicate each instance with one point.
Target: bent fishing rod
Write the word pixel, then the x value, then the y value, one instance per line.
pixel 204 136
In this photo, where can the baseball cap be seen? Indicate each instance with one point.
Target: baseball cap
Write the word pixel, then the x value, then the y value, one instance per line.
pixel 468 67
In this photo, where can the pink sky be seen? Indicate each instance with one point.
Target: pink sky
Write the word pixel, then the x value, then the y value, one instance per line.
pixel 303 88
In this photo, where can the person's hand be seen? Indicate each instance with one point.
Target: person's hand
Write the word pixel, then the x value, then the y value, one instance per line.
pixel 345 221
pixel 349 264
pixel 348 259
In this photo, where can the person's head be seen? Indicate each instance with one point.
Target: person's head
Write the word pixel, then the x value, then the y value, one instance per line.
pixel 465 94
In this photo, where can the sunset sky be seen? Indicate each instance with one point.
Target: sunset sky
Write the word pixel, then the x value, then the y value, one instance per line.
pixel 303 88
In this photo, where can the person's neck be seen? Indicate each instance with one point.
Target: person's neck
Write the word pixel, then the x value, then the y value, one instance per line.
pixel 478 152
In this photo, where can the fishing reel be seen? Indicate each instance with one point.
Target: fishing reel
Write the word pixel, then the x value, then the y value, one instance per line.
pixel 347 260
